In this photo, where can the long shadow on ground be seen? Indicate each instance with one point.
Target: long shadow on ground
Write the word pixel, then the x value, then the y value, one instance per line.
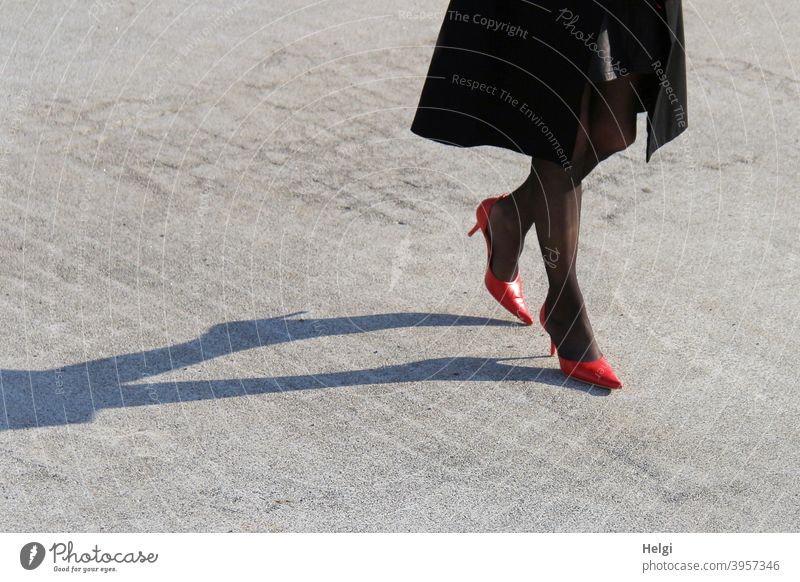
pixel 72 394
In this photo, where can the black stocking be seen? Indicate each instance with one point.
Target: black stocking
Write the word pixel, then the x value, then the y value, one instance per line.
pixel 556 211
pixel 551 198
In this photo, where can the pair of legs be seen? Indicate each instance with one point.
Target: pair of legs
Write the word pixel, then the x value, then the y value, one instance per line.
pixel 550 198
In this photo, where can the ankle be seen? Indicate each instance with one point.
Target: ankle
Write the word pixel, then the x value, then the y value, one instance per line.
pixel 509 218
pixel 564 302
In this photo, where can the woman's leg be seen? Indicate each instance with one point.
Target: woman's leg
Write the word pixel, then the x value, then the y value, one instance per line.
pixel 612 119
pixel 509 222
pixel 608 125
pixel 608 122
pixel 556 197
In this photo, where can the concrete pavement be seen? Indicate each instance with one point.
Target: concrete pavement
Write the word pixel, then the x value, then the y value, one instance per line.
pixel 237 294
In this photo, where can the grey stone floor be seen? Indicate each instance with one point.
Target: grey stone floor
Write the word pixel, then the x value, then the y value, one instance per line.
pixel 237 292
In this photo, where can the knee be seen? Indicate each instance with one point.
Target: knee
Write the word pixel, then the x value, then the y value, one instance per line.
pixel 608 139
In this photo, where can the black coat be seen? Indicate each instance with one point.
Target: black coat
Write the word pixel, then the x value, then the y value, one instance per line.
pixel 510 73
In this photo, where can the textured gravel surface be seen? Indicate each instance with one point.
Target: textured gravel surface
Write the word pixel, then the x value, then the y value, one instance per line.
pixel 238 295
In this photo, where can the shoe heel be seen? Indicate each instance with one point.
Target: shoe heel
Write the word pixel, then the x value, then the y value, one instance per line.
pixel 552 347
pixel 474 229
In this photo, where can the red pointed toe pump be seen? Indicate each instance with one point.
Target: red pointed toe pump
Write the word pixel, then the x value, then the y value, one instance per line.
pixel 597 372
pixel 507 293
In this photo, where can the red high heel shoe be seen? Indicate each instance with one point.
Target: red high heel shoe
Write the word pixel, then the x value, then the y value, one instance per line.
pixel 507 293
pixel 597 372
